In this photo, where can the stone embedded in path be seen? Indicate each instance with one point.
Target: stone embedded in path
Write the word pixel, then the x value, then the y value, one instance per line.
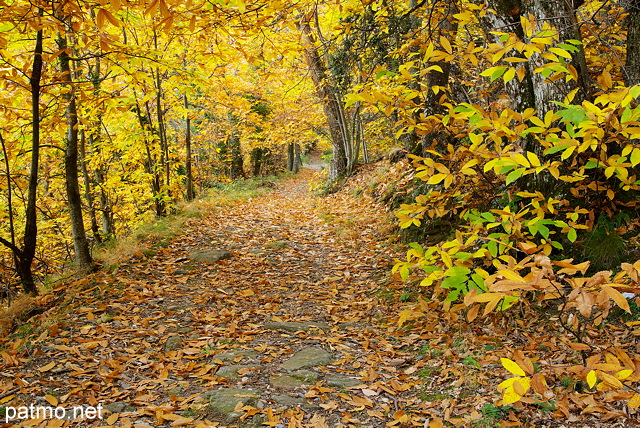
pixel 294 379
pixel 119 407
pixel 173 342
pixel 224 401
pixel 286 382
pixel 209 256
pixel 228 356
pixel 293 326
pixel 307 357
pixel 284 402
pixel 232 372
pixel 340 381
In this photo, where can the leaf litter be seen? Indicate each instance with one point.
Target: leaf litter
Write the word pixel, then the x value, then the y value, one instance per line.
pixel 155 341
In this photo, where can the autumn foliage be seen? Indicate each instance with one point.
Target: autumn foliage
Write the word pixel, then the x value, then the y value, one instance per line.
pixel 521 122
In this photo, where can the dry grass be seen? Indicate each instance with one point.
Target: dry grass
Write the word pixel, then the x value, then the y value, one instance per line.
pixel 20 310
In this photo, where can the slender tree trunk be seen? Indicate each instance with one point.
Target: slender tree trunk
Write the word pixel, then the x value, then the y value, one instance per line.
pixel 632 66
pixel 24 258
pixel 438 82
pixel 297 158
pixel 151 166
pixel 290 156
pixel 331 103
pixel 162 131
pixel 88 193
pixel 95 137
pixel 187 142
pixel 84 262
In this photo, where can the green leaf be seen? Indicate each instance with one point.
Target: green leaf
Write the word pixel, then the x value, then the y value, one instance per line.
pixel 492 246
pixel 478 281
pixel 556 149
pixel 514 175
pixel 494 72
pixel 416 247
pixel 458 271
pixel 572 235
pixel 456 282
pixel 489 216
pixel 544 231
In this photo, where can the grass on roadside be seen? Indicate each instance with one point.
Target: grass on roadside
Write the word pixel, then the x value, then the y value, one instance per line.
pixel 160 231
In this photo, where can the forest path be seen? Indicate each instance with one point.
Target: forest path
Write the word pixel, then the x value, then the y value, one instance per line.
pixel 291 325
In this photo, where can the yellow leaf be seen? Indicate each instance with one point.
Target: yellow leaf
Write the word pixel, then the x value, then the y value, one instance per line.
pixel 623 374
pixel 408 315
pixel 510 396
pixel 533 158
pixel 7 398
pixel 635 157
pixel 561 52
pixel 446 45
pixel 437 178
pixel 512 366
pixel 509 75
pixel 509 274
pixel 610 380
pixel 592 378
pixel 634 403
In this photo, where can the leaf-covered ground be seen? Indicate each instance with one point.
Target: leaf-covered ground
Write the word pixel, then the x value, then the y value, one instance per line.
pixel 299 326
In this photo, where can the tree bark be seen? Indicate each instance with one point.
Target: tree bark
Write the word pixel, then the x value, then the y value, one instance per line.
pixel 24 258
pixel 438 82
pixel 331 103
pixel 84 262
pixel 187 142
pixel 632 67
pixel 88 192
pixel 535 91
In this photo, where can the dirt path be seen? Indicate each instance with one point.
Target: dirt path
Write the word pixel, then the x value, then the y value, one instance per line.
pixel 291 325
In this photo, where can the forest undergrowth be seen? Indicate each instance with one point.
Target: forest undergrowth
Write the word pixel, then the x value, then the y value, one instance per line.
pixel 154 338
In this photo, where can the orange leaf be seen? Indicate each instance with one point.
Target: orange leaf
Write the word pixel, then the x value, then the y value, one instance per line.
pixel 617 297
pixel 51 400
pixel 48 367
pixel 113 418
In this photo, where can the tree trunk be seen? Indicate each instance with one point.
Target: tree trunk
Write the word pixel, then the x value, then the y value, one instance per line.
pixel 297 158
pixel 535 91
pixel 187 142
pixel 236 166
pixel 88 192
pixel 632 67
pixel 331 103
pixel 290 157
pixel 24 258
pixel 151 166
pixel 84 262
pixel 108 228
pixel 438 82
